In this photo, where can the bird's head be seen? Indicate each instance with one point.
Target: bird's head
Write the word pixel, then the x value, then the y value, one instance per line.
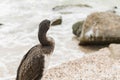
pixel 44 25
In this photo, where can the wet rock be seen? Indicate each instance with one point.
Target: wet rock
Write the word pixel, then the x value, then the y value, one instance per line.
pixel 64 12
pixel 56 8
pixel 57 21
pixel 1 24
pixel 101 28
pixel 115 7
pixel 77 28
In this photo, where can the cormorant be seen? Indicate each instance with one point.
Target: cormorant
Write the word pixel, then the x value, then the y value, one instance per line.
pixel 33 63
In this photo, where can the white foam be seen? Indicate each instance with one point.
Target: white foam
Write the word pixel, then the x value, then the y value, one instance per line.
pixel 19 32
pixel 3 70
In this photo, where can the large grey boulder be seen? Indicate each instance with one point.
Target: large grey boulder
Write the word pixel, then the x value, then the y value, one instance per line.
pixel 101 28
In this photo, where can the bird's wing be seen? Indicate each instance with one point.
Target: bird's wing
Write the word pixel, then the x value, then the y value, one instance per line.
pixel 32 65
pixel 24 57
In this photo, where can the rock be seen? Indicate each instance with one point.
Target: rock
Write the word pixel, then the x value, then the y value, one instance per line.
pixel 115 7
pixel 56 8
pixel 1 24
pixel 57 21
pixel 77 28
pixel 115 51
pixel 97 66
pixel 101 28
pixel 64 12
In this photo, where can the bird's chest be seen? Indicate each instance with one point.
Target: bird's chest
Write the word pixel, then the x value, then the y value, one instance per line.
pixel 47 60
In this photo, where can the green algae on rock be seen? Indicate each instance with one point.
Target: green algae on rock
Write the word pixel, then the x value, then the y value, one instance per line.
pixel 57 21
pixel 77 28
pixel 101 28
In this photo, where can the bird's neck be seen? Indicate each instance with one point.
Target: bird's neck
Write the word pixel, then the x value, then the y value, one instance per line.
pixel 43 39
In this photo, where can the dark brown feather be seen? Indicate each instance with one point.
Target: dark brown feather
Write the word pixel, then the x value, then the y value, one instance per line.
pixel 33 63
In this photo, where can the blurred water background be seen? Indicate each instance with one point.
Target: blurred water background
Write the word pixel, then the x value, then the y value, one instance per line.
pixel 20 19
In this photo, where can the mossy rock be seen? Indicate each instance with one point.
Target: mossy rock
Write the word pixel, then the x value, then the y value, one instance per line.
pixel 57 22
pixel 77 28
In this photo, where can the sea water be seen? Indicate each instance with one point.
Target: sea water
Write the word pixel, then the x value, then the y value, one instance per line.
pixel 20 19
